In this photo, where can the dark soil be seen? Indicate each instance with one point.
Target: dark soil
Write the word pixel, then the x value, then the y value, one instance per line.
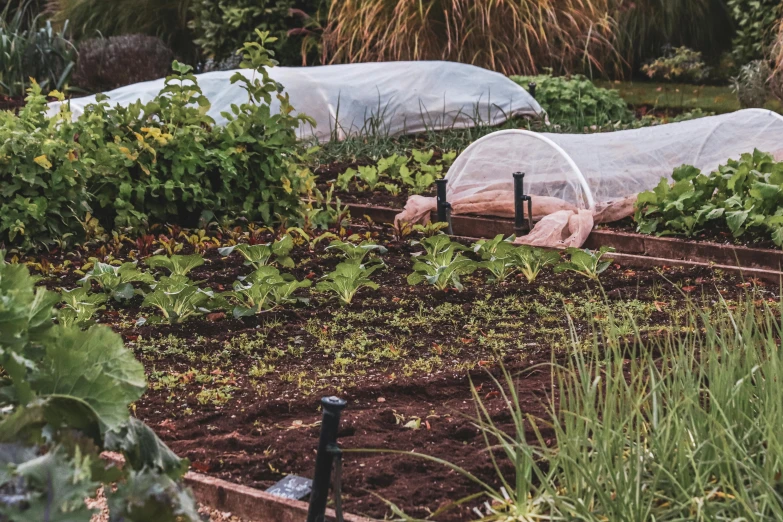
pixel 240 397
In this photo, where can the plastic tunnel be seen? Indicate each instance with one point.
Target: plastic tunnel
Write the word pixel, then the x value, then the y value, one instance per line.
pixel 588 169
pixel 577 180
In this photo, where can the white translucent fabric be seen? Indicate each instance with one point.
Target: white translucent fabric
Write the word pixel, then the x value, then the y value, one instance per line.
pixel 586 170
pixel 387 97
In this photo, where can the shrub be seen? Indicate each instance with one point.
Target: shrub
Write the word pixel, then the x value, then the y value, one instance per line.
pixel 513 37
pixel 680 64
pixel 221 27
pixel 751 84
pixel 107 63
pixel 28 51
pixel 66 395
pixel 754 21
pixel 575 100
pixel 154 162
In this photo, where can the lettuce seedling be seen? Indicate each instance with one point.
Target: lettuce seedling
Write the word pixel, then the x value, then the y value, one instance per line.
pixel 178 298
pixel 442 263
pixel 264 289
pixel 356 253
pixel 117 280
pixel 586 263
pixel 347 279
pixel 176 264
pixel 79 306
pixel 261 255
pixel 531 260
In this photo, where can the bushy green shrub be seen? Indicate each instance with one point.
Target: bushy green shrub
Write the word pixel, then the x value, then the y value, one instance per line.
pixel 576 101
pixel 107 63
pixel 64 397
pixel 754 21
pixel 221 26
pixel 150 162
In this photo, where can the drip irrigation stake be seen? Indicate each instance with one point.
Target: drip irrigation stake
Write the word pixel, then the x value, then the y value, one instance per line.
pixel 531 88
pixel 327 453
pixel 521 225
pixel 444 207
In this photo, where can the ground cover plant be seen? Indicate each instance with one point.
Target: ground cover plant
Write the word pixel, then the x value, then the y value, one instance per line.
pixel 237 393
pixel 742 196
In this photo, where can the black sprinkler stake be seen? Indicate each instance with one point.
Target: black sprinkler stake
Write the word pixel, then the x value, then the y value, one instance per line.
pixel 531 88
pixel 327 445
pixel 521 224
pixel 444 207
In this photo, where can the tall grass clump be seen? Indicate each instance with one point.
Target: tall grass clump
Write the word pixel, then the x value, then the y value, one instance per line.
pixel 683 425
pixel 510 36
pixel 29 50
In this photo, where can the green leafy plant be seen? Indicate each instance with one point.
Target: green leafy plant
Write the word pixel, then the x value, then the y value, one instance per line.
pixel 79 306
pixel 498 256
pixel 176 264
pixel 754 22
pixel 531 260
pixel 589 264
pixel 116 281
pixel 66 395
pixel 178 298
pixel 742 195
pixel 263 290
pixel 679 63
pixel 261 255
pixel 417 173
pixel 442 263
pixel 347 279
pixel 152 162
pixel 575 101
pixel 356 253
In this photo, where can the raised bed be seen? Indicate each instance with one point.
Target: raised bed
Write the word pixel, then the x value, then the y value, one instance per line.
pixel 631 249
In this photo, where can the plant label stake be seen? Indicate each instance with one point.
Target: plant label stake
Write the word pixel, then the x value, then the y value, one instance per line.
pixel 521 225
pixel 444 207
pixel 328 451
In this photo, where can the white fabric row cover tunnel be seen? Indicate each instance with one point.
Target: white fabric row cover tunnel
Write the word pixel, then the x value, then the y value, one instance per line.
pixel 578 180
pixel 589 169
pixel 387 97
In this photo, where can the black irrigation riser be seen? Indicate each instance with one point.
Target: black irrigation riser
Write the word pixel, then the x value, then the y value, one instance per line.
pixel 443 206
pixel 522 225
pixel 328 454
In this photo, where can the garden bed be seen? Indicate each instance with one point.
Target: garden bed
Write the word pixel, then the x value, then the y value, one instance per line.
pixel 239 397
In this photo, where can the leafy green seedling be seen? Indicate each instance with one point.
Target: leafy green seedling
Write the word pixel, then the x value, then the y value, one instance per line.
pixel 264 289
pixel 442 264
pixel 347 279
pixel 498 255
pixel 586 263
pixel 261 255
pixel 356 253
pixel 117 280
pixel 178 298
pixel 531 260
pixel 430 229
pixel 176 264
pixel 79 306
